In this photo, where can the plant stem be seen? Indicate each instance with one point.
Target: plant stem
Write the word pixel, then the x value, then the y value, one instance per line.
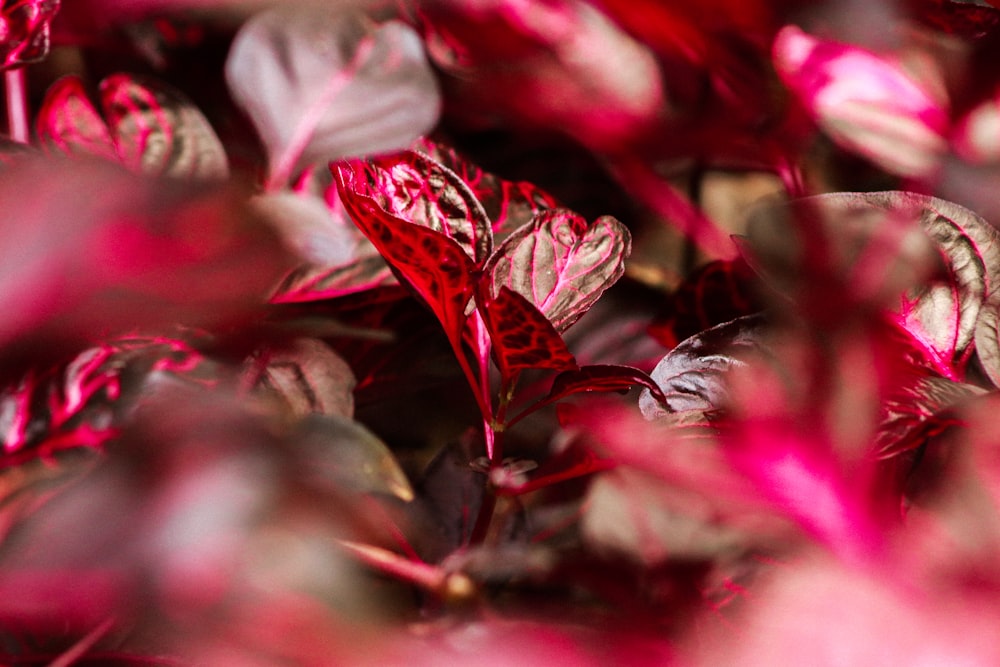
pixel 17 105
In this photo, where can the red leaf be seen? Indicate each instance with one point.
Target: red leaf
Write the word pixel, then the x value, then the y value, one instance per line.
pixel 415 188
pixel 560 263
pixel 522 337
pixel 435 266
pixel 90 250
pixel 69 121
pixel 25 37
pixel 867 103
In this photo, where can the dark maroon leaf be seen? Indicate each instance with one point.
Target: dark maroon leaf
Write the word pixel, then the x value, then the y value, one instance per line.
pixel 25 38
pixel 436 267
pixel 322 85
pixel 522 337
pixel 366 271
pixel 602 378
pixel 718 292
pixel 560 263
pixel 872 255
pixel 509 204
pixel 965 19
pixel 305 375
pixel 417 189
pixel 693 375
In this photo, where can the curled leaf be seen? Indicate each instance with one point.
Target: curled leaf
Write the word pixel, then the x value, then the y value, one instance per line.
pixel 560 263
pixel 25 38
pixel 322 86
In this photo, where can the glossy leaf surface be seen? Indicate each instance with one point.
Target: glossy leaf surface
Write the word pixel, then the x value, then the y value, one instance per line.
pixel 561 263
pixel 417 189
pixel 436 267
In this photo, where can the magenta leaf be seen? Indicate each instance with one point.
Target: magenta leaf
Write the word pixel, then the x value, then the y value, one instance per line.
pixel 437 268
pixel 509 204
pixel 560 263
pixel 25 36
pixel 693 376
pixel 322 86
pixel 92 250
pixel 522 336
pixel 159 131
pixel 147 125
pixel 867 103
pixel 417 189
pixel 68 121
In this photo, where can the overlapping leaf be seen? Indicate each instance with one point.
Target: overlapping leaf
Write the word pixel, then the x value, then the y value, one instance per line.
pixel 509 204
pixel 522 336
pixel 149 126
pixel 322 86
pixel 415 188
pixel 560 263
pixel 693 376
pixel 436 267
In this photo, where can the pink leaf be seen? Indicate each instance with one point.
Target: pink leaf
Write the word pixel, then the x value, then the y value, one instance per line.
pixel 560 263
pixel 866 102
pixel 321 86
pixel 509 204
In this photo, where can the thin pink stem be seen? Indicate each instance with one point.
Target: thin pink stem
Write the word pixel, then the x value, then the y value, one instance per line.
pixel 17 105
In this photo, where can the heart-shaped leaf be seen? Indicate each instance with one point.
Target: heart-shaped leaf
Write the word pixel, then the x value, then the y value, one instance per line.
pixel 436 267
pixel 693 375
pixel 147 125
pixel 522 336
pixel 417 189
pixel 560 263
pixel 322 86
